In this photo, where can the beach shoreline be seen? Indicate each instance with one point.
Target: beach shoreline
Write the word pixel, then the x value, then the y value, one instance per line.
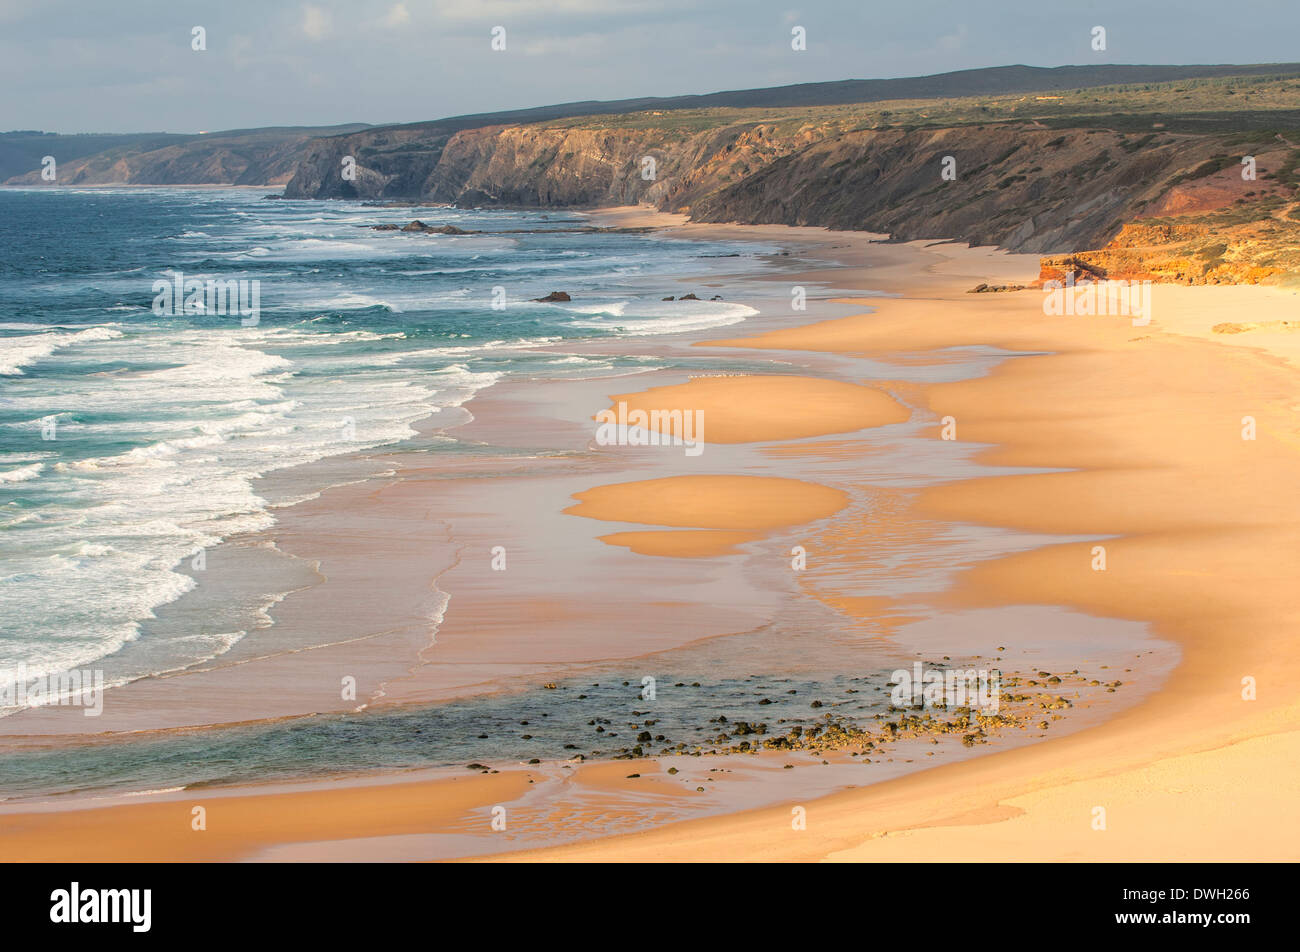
pixel 1031 802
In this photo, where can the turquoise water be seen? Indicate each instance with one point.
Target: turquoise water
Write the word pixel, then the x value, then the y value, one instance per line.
pixel 603 718
pixel 130 439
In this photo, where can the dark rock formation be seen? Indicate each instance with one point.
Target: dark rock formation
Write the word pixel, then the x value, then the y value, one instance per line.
pixel 420 226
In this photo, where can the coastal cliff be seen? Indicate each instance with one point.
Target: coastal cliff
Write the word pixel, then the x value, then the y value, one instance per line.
pixel 545 165
pixel 1133 180
pixel 1163 206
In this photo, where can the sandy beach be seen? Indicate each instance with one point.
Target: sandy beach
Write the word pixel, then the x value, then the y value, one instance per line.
pixel 1149 424
pixel 1086 428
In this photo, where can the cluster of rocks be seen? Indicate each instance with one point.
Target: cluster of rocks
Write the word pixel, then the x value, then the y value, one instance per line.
pixel 1027 701
pixel 402 204
pixel 420 226
pixel 560 296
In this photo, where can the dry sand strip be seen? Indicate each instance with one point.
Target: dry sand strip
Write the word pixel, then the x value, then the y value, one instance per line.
pixel 755 408
pixel 337 820
pixel 238 826
pixel 730 509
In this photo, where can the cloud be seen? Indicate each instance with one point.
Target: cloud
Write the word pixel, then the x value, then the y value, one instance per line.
pixel 397 16
pixel 541 9
pixel 315 22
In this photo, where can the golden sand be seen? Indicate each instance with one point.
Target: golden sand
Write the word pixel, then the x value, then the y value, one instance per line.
pixel 682 543
pixel 163 831
pixel 711 502
pixel 759 408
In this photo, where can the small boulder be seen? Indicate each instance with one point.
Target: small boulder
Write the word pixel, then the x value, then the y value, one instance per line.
pixel 554 297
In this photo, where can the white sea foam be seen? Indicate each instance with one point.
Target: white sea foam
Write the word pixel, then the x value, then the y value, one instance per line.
pixel 19 352
pixel 668 317
pixel 21 474
pixel 613 309
pixel 247 412
pixel 350 302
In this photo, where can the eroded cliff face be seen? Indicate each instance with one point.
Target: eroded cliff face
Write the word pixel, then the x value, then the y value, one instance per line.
pixel 1214 225
pixel 540 166
pixel 543 165
pixel 384 163
pixel 1024 187
pixel 1021 186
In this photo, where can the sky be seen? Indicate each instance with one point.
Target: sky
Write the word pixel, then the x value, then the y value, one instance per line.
pixel 130 66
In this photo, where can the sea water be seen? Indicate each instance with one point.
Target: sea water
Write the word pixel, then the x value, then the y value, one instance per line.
pixel 132 430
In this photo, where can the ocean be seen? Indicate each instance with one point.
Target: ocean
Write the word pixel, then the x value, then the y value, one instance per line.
pixel 130 439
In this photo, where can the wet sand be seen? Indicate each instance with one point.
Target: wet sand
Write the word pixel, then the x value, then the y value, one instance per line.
pixel 1139 431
